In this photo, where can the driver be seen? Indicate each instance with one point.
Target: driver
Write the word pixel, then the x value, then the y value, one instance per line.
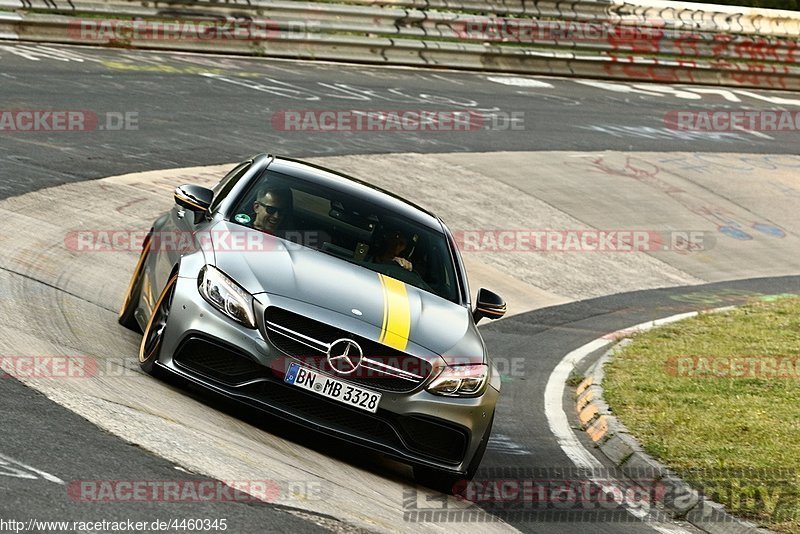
pixel 272 208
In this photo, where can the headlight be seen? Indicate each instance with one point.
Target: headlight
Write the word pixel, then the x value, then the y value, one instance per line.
pixel 460 381
pixel 226 296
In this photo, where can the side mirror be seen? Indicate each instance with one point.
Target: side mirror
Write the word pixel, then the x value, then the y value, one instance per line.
pixel 194 198
pixel 489 305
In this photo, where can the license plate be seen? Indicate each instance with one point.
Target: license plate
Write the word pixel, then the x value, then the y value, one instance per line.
pixel 332 388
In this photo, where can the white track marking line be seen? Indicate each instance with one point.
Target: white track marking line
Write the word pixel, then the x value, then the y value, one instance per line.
pixel 20 53
pixel 554 409
pixel 557 416
pixel 448 80
pixel 519 81
pixel 667 529
pixel 616 87
pixel 727 95
pixel 771 99
pixel 43 474
pixel 753 132
pixel 62 53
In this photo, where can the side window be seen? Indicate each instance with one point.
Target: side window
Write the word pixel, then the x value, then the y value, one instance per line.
pixel 225 185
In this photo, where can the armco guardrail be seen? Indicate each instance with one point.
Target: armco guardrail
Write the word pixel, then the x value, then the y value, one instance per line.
pixel 659 41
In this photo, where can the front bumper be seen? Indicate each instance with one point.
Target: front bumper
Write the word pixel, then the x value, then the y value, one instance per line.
pixel 209 349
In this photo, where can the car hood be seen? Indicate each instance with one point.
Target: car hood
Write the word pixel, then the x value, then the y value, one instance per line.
pixel 399 312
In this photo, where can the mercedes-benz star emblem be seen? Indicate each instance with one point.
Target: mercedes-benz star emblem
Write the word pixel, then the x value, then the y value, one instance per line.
pixel 344 356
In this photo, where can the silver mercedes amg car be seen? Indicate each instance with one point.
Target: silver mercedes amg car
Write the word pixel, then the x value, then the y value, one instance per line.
pixel 326 301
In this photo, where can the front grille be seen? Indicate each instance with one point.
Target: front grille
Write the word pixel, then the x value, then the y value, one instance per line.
pixel 308 340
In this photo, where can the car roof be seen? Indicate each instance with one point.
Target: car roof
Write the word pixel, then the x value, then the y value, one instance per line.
pixel 354 187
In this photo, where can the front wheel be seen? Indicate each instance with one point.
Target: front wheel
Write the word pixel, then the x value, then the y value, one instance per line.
pixel 448 482
pixel 127 317
pixel 154 331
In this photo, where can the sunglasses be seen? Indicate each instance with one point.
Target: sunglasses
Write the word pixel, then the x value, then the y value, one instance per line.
pixel 271 210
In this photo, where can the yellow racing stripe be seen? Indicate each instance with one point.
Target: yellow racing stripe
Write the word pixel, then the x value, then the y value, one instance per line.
pixel 385 308
pixel 396 323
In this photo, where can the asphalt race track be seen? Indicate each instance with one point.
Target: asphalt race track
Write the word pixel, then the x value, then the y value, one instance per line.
pixel 551 153
pixel 216 110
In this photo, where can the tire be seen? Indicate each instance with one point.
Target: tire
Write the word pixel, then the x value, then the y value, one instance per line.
pixel 448 482
pixel 127 317
pixel 153 336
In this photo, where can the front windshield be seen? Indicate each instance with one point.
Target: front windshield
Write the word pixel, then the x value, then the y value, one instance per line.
pixel 361 233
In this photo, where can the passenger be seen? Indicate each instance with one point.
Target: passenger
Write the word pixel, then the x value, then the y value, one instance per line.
pixel 394 244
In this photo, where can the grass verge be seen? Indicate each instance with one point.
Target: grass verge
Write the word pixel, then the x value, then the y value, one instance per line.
pixel 717 398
